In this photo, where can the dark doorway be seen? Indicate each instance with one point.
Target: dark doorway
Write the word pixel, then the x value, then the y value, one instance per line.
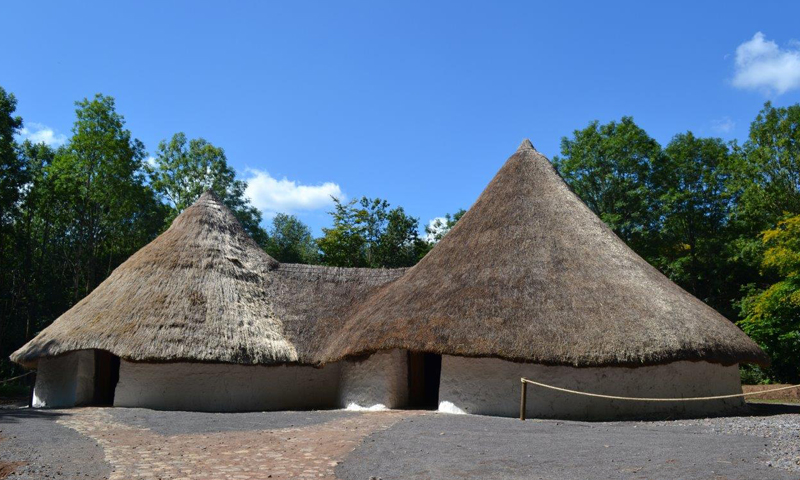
pixel 424 370
pixel 106 376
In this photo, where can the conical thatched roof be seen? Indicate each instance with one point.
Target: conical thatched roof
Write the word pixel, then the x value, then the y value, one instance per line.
pixel 204 291
pixel 529 273
pixel 197 292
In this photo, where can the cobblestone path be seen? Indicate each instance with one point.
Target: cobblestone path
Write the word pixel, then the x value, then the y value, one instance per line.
pixel 305 452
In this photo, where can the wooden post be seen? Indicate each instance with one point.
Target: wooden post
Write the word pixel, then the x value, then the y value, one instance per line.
pixel 522 400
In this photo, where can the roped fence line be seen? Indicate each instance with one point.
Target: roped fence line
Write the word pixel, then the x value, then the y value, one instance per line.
pixel 18 376
pixel 525 382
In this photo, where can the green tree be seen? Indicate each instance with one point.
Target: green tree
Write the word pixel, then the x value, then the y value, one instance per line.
pixel 183 170
pixel 343 244
pixel 399 244
pixel 694 207
pixel 290 241
pixel 12 171
pixel 13 176
pixel 106 211
pixel 772 315
pixel 367 233
pixel 439 227
pixel 768 175
pixel 610 166
pixel 37 283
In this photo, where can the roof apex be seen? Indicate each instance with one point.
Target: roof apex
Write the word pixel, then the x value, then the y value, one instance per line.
pixel 208 194
pixel 526 145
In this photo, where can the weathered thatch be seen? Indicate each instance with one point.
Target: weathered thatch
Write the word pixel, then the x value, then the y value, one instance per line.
pixel 313 301
pixel 204 291
pixel 197 292
pixel 530 274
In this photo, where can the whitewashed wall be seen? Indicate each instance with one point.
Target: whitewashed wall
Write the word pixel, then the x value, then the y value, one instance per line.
pixel 65 381
pixel 378 382
pixel 489 386
pixel 218 387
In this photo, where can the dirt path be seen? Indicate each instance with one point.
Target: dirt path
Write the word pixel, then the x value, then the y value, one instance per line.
pixel 312 451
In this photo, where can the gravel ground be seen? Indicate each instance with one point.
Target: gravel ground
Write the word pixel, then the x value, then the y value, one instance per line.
pixel 440 446
pixel 781 433
pixel 48 449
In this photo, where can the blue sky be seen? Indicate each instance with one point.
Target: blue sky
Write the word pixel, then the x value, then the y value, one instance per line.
pixel 419 103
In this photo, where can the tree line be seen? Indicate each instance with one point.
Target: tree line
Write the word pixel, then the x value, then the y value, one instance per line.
pixel 70 215
pixel 720 219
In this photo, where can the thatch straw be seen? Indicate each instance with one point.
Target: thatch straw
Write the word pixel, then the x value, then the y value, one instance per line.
pixel 196 292
pixel 204 291
pixel 530 274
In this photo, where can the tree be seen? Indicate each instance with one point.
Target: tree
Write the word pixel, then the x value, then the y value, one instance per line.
pixel 768 174
pixel 290 241
pixel 343 244
pixel 183 170
pixel 399 244
pixel 694 208
pixel 366 233
pixel 609 167
pixel 12 171
pixel 439 227
pixel 772 315
pixel 106 212
pixel 35 292
pixel 13 176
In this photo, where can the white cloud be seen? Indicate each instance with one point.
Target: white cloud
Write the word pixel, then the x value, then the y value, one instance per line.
pixel 723 125
pixel 271 195
pixel 39 133
pixel 151 161
pixel 762 65
pixel 437 227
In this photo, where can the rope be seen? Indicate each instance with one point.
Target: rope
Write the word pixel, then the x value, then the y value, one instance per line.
pixel 20 376
pixel 644 399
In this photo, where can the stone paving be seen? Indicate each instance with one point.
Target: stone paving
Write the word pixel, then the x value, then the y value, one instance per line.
pixel 302 452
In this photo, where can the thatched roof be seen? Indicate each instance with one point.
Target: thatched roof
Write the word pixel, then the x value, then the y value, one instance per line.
pixel 204 291
pixel 313 301
pixel 529 273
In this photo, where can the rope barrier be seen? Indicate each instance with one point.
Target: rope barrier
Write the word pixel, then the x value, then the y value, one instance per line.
pixel 19 376
pixel 646 399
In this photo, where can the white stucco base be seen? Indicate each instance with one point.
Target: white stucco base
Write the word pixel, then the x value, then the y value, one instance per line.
pixel 378 382
pixel 65 381
pixel 489 386
pixel 214 387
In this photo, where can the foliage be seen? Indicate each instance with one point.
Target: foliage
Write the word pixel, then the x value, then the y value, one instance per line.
pixel 107 212
pixel 184 169
pixel 768 174
pixel 439 227
pixel 13 176
pixel 366 233
pixel 12 170
pixel 610 167
pixel 82 210
pixel 694 205
pixel 772 315
pixel 290 241
pixel 753 375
